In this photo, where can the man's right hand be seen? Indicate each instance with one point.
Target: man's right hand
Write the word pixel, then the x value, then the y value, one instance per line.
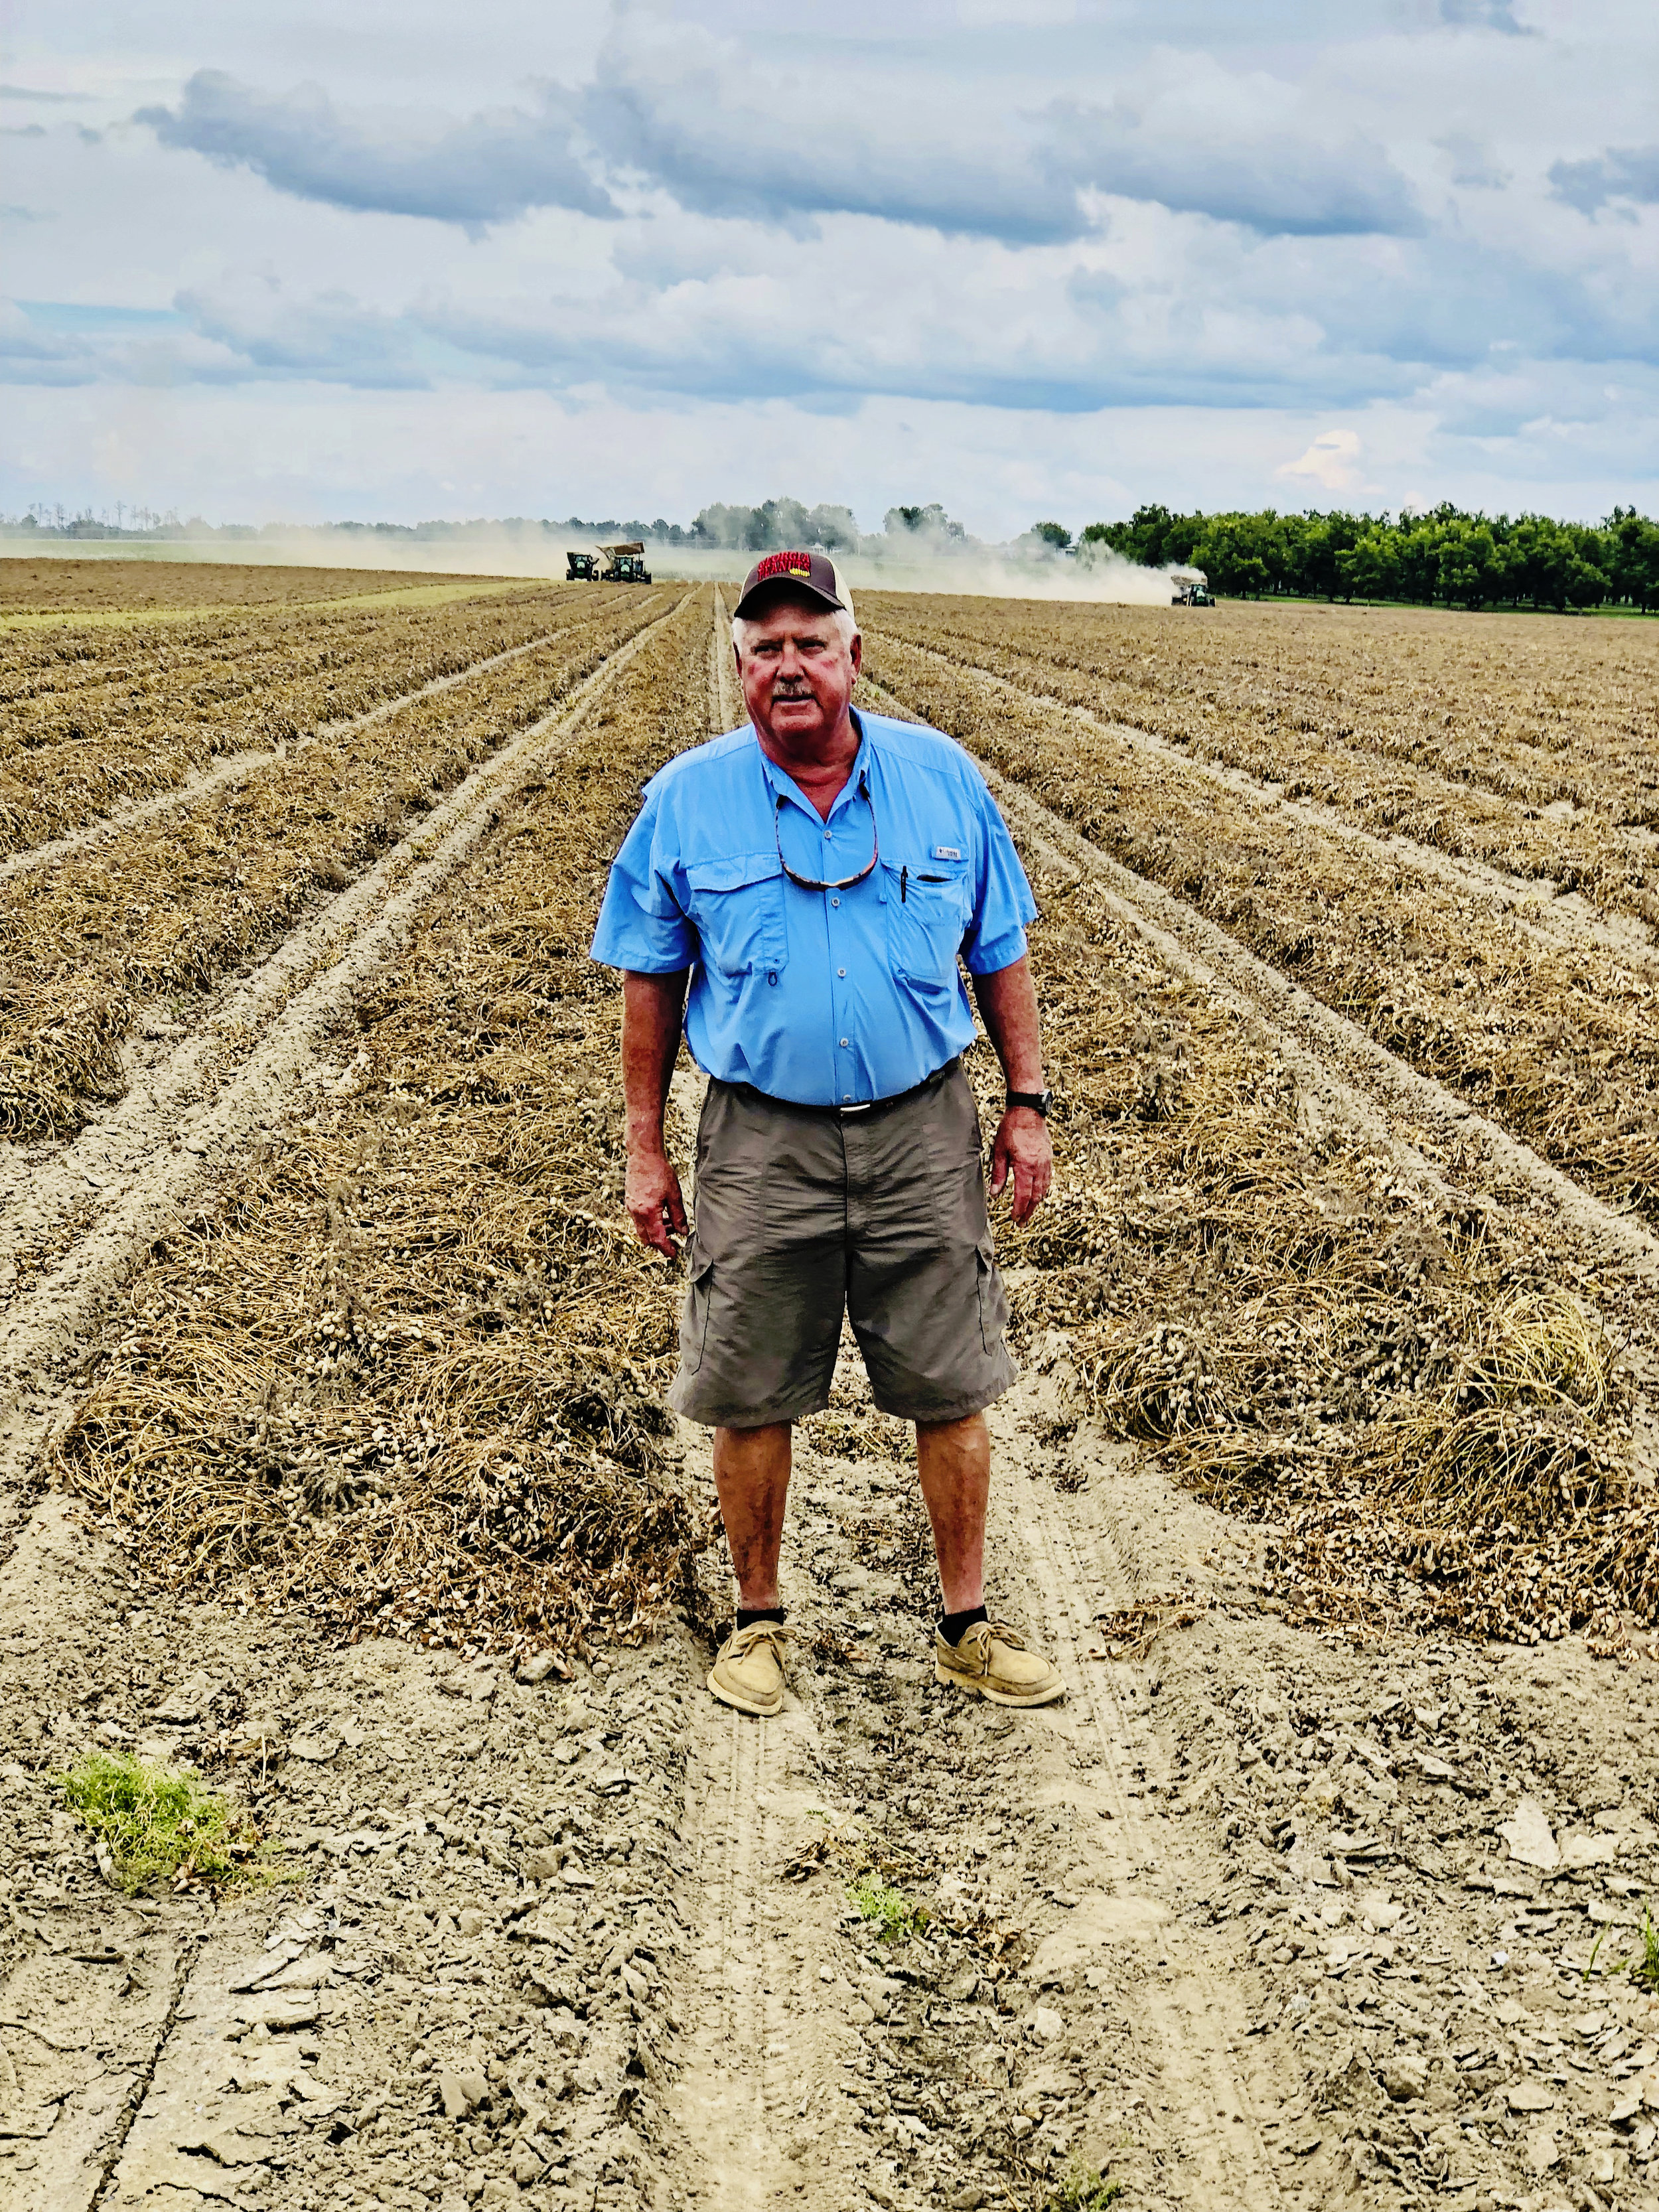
pixel 652 1195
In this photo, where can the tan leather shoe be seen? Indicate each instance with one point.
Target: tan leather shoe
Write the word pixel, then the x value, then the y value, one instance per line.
pixel 748 1669
pixel 995 1662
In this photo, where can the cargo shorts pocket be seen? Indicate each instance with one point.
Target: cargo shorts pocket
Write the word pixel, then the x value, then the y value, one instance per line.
pixel 993 1298
pixel 694 1315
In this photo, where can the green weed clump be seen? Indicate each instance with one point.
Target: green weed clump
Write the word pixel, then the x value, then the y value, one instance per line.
pixel 1644 1967
pixel 156 1825
pixel 1085 2191
pixel 896 1918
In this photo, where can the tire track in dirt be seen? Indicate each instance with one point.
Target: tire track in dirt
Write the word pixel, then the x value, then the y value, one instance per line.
pixel 722 2103
pixel 236 1073
pixel 758 2102
pixel 1241 1839
pixel 1196 2023
pixel 107 2156
pixel 236 768
pixel 1564 922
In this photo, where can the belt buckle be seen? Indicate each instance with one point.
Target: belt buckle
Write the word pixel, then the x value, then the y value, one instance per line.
pixel 846 1112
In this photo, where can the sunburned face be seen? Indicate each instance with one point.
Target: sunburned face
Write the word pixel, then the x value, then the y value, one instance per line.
pixel 797 672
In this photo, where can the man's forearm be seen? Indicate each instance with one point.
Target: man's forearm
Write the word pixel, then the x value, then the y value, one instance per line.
pixel 1008 1007
pixel 652 1009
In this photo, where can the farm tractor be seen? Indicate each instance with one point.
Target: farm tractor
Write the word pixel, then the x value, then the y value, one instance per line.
pixel 1189 587
pixel 625 565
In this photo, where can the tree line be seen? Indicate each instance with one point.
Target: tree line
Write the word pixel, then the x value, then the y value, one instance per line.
pixel 1447 556
pixel 777 523
pixel 773 525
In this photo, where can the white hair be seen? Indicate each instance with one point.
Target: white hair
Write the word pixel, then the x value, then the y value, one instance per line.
pixel 842 621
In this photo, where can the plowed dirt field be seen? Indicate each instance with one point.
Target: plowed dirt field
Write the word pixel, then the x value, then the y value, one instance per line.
pixel 334 1469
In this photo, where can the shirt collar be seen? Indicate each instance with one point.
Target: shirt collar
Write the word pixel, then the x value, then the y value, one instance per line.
pixel 784 785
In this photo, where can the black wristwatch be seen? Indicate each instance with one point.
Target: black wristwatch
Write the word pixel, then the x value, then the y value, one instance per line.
pixel 1038 1101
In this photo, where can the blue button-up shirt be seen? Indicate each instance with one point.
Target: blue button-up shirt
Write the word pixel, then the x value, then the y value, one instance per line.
pixel 827 997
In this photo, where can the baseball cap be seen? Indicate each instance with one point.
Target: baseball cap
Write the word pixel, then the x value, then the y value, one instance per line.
pixel 813 574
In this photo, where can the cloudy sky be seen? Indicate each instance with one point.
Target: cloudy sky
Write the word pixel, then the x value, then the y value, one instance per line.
pixel 1024 257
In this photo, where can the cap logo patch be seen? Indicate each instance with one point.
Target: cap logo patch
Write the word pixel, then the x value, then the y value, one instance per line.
pixel 782 564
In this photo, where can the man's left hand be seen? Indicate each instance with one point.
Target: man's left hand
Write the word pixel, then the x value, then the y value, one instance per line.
pixel 1021 1152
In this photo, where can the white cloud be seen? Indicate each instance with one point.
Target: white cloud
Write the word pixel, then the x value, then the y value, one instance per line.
pixel 1084 248
pixel 784 139
pixel 486 168
pixel 1330 461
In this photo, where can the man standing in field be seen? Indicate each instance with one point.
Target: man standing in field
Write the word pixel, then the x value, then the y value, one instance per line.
pixel 814 877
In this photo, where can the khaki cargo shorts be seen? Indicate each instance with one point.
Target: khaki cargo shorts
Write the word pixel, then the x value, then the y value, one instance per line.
pixel 801 1216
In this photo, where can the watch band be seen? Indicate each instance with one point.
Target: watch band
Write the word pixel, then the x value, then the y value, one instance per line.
pixel 1038 1101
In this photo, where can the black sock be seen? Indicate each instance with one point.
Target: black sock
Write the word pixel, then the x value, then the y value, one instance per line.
pixel 747 1619
pixel 953 1627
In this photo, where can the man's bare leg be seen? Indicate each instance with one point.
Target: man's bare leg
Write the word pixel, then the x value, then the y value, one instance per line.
pixel 751 1475
pixel 954 1461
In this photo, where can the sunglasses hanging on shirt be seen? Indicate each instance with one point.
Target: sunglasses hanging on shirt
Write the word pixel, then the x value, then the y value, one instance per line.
pixel 846 884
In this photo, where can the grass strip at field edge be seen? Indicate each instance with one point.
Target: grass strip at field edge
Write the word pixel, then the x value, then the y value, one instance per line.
pixel 418 595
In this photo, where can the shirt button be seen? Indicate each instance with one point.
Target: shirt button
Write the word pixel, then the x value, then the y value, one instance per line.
pixel 834 902
pixel 843 1044
pixel 841 971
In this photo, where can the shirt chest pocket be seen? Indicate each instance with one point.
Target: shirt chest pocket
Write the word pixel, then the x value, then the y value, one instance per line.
pixel 737 909
pixel 926 918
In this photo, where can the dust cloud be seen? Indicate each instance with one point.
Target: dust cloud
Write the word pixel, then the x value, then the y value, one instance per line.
pixel 881 563
pixel 986 573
